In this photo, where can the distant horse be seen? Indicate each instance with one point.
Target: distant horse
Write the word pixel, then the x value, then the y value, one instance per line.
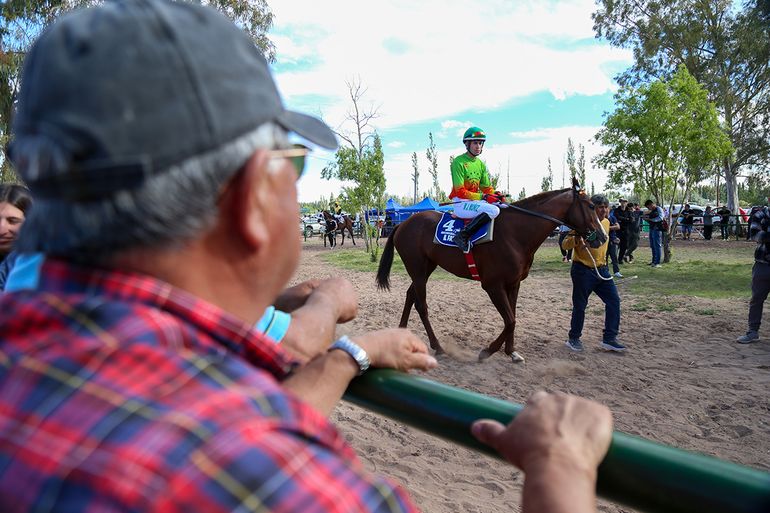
pixel 340 226
pixel 518 231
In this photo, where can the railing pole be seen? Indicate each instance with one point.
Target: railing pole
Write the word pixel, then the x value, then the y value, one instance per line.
pixel 636 472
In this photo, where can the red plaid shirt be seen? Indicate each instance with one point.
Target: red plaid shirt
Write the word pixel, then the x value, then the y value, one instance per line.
pixel 120 393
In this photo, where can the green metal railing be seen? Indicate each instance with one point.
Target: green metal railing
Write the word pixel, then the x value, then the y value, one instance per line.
pixel 636 472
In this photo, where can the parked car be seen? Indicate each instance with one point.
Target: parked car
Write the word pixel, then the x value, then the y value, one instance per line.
pixel 310 225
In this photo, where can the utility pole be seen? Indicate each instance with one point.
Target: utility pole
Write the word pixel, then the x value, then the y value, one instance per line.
pixel 508 175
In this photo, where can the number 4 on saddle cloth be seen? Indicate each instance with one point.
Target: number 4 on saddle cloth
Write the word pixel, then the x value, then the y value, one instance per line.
pixel 449 225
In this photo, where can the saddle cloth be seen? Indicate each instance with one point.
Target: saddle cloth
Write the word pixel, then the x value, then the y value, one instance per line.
pixel 449 225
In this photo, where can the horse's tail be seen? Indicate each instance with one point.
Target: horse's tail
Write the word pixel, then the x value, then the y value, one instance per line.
pixel 386 261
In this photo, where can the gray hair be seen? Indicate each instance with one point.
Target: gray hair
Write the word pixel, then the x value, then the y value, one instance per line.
pixel 599 199
pixel 169 208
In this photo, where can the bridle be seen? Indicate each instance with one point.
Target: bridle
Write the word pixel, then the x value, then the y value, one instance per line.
pixel 589 236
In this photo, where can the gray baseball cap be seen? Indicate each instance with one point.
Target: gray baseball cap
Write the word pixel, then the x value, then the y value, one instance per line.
pixel 132 87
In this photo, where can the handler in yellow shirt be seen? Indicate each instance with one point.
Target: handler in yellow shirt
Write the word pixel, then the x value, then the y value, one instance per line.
pixel 589 274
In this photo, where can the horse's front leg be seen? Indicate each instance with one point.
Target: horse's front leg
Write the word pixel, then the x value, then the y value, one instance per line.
pixel 499 296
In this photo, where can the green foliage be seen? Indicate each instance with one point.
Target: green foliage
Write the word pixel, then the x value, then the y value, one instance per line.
pixel 571 161
pixel 436 193
pixel 415 175
pixel 662 136
pixel 522 193
pixel 724 44
pixel 364 171
pixel 547 183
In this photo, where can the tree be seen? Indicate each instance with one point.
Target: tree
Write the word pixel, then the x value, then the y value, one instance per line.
pixel 547 183
pixel 361 161
pixel 662 136
pixel 581 164
pixel 21 21
pixel 724 46
pixel 437 193
pixel 415 175
pixel 522 193
pixel 571 160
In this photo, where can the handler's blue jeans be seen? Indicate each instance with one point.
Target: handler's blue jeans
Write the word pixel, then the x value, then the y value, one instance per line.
pixel 656 246
pixel 585 281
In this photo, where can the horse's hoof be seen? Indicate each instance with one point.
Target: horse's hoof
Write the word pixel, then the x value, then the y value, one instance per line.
pixel 484 354
pixel 516 357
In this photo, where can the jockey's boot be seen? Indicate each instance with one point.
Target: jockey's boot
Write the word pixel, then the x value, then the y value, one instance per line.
pixel 463 237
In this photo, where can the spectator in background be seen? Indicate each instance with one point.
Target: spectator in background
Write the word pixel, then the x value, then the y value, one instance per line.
pixel 708 222
pixel 15 201
pixel 654 217
pixel 724 221
pixel 624 216
pixel 566 254
pixel 634 231
pixel 759 228
pixel 688 218
pixel 612 251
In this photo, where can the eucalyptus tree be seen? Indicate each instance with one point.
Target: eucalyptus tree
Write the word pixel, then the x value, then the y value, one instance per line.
pixel 723 44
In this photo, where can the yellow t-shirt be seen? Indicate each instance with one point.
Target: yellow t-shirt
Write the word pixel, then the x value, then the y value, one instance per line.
pixel 581 255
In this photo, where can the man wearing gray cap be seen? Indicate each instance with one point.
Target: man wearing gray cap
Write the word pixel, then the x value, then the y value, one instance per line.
pixel 155 143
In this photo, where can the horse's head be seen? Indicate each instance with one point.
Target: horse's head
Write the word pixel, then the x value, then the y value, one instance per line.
pixel 582 217
pixel 326 215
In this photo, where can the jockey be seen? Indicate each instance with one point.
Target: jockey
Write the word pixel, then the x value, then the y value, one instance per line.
pixel 336 210
pixel 471 189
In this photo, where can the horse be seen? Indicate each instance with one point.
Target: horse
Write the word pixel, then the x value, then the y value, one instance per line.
pixel 501 265
pixel 340 226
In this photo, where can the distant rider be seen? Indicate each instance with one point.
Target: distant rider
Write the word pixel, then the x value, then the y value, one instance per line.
pixel 471 188
pixel 336 210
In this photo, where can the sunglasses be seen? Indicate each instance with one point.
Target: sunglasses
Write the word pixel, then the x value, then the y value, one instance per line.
pixel 296 154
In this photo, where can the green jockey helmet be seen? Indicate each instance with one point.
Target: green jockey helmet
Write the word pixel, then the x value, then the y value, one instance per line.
pixel 474 133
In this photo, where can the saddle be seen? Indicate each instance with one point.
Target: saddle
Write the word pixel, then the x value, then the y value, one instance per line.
pixel 449 225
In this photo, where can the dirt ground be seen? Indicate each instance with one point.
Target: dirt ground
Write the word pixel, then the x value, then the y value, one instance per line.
pixel 683 382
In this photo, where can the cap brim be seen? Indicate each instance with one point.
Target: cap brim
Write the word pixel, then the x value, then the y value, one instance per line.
pixel 309 127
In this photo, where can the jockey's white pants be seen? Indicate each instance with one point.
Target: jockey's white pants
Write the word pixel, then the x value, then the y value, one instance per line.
pixel 468 209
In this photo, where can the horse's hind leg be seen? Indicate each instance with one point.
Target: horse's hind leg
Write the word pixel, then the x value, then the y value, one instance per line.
pixel 421 304
pixel 351 235
pixel 408 303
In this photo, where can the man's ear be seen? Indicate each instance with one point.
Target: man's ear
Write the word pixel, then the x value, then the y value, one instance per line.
pixel 245 210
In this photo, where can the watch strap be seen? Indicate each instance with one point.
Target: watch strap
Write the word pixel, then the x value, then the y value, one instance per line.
pixel 354 350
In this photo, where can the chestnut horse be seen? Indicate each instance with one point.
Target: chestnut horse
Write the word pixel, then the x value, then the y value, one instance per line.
pixel 339 227
pixel 519 230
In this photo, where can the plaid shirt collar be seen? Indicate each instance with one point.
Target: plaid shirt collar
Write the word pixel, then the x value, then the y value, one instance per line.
pixel 59 277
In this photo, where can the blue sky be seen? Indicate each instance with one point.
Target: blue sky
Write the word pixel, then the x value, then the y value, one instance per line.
pixel 530 73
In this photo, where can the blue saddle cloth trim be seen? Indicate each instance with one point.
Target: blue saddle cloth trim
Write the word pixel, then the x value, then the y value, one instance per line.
pixel 448 227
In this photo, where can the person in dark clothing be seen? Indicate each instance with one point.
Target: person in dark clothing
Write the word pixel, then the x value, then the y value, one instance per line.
pixel 724 222
pixel 759 223
pixel 708 222
pixel 688 218
pixel 634 231
pixel 624 216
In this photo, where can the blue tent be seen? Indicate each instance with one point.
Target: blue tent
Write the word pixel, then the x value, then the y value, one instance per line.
pixel 399 213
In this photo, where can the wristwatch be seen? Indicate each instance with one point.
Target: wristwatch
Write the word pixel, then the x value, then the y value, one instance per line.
pixel 354 350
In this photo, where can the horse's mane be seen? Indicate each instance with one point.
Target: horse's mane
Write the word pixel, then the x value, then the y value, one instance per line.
pixel 539 199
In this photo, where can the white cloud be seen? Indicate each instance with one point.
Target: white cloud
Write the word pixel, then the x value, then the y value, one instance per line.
pixel 437 60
